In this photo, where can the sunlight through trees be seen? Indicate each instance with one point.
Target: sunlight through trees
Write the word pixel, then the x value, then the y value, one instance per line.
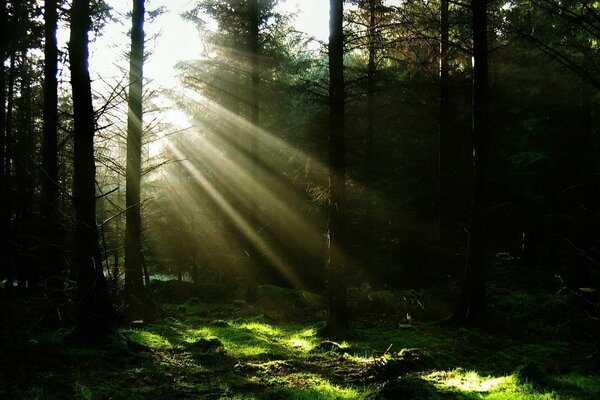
pixel 370 199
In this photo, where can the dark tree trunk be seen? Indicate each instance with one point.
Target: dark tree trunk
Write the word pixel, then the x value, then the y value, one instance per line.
pixel 337 313
pixel 8 209
pixel 116 270
pixel 472 305
pixel 28 271
pixel 50 202
pixel 95 312
pixel 134 278
pixel 254 73
pixel 146 272
pixel 586 197
pixel 443 237
pixel 369 142
pixel 3 177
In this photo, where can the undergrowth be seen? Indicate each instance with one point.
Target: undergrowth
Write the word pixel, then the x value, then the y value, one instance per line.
pixel 230 349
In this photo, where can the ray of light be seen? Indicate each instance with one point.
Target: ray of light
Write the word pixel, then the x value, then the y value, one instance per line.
pixel 212 245
pixel 237 218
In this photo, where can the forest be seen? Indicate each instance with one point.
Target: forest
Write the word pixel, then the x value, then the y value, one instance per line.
pixel 343 199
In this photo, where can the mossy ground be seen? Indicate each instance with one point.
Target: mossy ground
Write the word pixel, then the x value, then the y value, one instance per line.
pixel 270 350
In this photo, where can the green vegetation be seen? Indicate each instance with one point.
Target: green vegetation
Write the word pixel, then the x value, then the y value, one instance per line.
pixel 195 351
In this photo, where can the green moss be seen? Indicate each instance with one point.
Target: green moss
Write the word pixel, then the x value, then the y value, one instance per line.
pixel 318 388
pixel 149 339
pixel 265 357
pixel 532 374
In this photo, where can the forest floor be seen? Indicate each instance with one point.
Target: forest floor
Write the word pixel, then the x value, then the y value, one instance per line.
pixel 536 346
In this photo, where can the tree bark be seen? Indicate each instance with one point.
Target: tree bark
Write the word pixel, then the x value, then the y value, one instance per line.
pixel 3 177
pixel 337 313
pixel 134 278
pixel 50 201
pixel 95 312
pixel 369 142
pixel 8 209
pixel 443 131
pixel 586 198
pixel 27 270
pixel 472 305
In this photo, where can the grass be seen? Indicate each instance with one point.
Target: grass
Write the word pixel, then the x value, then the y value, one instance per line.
pixel 237 351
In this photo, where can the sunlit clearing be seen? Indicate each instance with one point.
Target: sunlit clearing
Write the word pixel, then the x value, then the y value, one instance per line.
pixel 263 329
pixel 304 386
pixel 308 333
pixel 302 344
pixel 469 381
pixel 247 350
pixel 148 339
pixel 192 335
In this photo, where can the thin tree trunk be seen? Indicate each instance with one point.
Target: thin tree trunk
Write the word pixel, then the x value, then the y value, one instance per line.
pixel 50 203
pixel 254 74
pixel 28 271
pixel 146 272
pixel 473 302
pixel 8 209
pixel 586 196
pixel 254 49
pixel 95 312
pixel 443 131
pixel 3 51
pixel 134 279
pixel 337 313
pixel 369 142
pixel 3 177
pixel 115 269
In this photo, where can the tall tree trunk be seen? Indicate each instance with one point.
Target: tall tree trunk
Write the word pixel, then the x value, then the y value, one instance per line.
pixel 50 203
pixel 95 312
pixel 254 51
pixel 369 142
pixel 134 278
pixel 337 312
pixel 443 131
pixel 255 73
pixel 3 177
pixel 8 209
pixel 24 179
pixel 586 201
pixel 472 305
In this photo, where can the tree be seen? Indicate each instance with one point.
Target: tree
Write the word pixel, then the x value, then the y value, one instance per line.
pixel 254 53
pixel 95 313
pixel 3 177
pixel 444 113
pixel 134 282
pixel 472 304
pixel 337 313
pixel 50 203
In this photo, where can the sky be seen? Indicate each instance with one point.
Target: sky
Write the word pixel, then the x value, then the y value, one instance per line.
pixel 177 39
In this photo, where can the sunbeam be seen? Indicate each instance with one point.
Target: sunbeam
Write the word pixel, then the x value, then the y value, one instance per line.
pixel 238 219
